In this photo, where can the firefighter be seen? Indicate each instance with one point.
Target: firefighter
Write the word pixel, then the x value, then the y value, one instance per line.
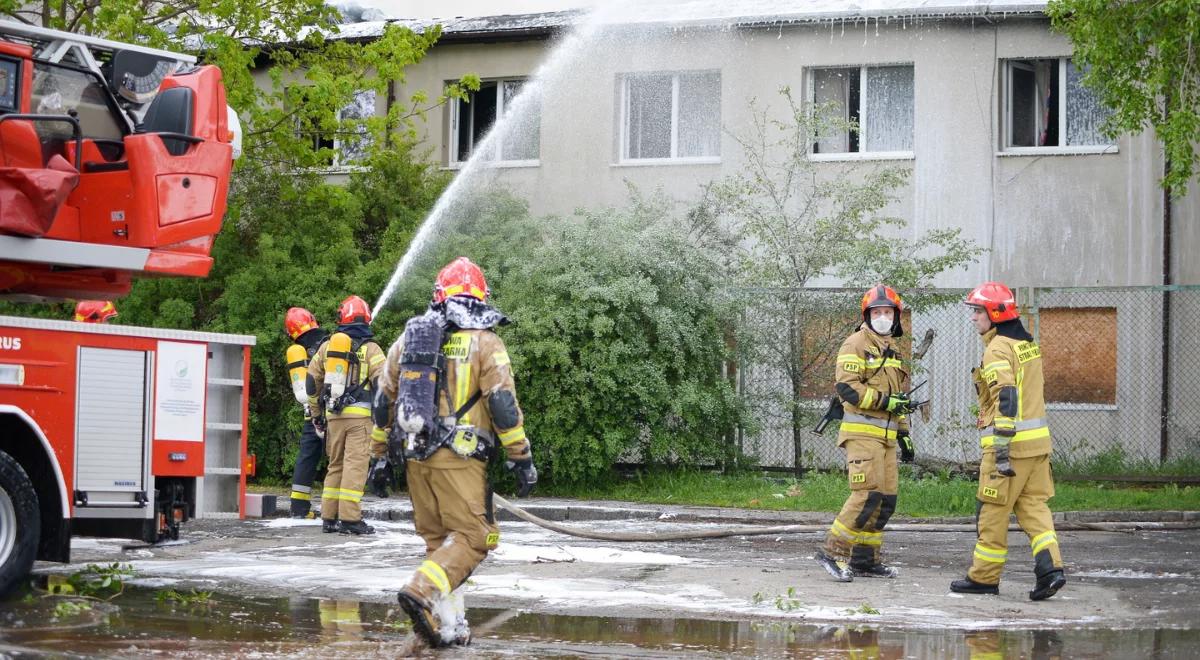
pixel 342 410
pixel 1014 475
pixel 872 381
pixel 477 415
pixel 303 329
pixel 94 311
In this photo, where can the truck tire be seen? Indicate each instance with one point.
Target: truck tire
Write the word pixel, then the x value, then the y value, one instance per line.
pixel 20 524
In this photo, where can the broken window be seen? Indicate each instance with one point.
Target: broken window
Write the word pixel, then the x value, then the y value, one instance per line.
pixel 875 101
pixel 672 115
pixel 1035 113
pixel 353 139
pixel 474 117
pixel 342 144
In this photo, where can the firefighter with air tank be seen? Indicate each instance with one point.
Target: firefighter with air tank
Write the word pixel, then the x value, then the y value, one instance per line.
pixel 340 387
pixel 450 377
pixel 307 335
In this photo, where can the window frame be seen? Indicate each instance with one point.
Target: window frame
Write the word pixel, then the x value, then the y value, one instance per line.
pixel 1006 107
pixel 811 95
pixel 623 134
pixel 452 142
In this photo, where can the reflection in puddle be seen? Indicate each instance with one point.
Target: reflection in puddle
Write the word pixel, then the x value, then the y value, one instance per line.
pixel 139 624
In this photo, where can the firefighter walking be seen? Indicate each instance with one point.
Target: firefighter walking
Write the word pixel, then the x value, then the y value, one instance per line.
pixel 872 381
pixel 340 387
pixel 307 335
pixel 1014 475
pixel 452 366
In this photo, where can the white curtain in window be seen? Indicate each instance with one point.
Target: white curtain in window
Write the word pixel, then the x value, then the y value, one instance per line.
pixel 888 109
pixel 699 115
pixel 648 107
pixel 1085 113
pixel 522 121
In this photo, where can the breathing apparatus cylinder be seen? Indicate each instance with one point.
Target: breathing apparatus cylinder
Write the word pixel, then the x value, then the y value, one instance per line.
pixel 297 363
pixel 337 367
pixel 421 367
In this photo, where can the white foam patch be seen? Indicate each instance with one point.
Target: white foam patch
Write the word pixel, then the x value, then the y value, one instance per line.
pixel 584 554
pixel 279 523
pixel 1128 574
pixel 97 544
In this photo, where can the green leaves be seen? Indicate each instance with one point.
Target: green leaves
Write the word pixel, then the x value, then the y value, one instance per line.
pixel 1143 61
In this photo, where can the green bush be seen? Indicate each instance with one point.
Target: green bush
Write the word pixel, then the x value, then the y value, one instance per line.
pixel 619 330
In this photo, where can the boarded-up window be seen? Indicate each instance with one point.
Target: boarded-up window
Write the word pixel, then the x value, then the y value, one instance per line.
pixel 1079 348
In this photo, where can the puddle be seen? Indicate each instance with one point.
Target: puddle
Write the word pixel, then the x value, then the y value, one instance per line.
pixel 140 623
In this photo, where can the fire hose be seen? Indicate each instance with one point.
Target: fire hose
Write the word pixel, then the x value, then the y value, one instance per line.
pixel 758 530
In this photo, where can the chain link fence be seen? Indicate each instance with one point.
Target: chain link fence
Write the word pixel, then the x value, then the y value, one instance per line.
pixel 1122 369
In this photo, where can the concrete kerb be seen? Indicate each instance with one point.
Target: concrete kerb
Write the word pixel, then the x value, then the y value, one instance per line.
pixel 565 510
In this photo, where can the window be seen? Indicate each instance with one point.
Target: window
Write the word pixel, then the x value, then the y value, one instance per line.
pixel 1033 111
pixel 353 140
pixel 472 119
pixel 877 99
pixel 1075 371
pixel 347 145
pixel 671 116
pixel 58 89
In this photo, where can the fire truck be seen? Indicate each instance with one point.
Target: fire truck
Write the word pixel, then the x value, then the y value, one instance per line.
pixel 114 164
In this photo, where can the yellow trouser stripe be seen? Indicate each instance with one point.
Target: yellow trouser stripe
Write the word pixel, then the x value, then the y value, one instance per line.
pixel 1042 541
pixel 331 493
pixel 994 555
pixel 297 495
pixel 841 530
pixel 870 538
pixel 868 429
pixel 512 436
pixel 436 575
pixel 350 495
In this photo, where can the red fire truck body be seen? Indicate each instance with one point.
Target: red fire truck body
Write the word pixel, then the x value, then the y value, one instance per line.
pixel 115 162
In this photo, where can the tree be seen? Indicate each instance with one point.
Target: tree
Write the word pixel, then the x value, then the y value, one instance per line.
pixel 794 220
pixel 1143 61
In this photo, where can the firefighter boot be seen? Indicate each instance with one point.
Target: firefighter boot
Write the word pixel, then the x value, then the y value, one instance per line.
pixel 969 586
pixel 863 563
pixel 425 621
pixel 356 528
pixel 840 570
pixel 1003 464
pixel 1048 584
pixel 329 526
pixel 875 570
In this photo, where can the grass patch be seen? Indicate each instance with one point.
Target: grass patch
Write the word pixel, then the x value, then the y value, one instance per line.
pixel 928 497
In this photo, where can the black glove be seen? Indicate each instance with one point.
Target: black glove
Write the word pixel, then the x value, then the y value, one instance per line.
pixel 319 426
pixel 907 453
pixel 380 477
pixel 526 475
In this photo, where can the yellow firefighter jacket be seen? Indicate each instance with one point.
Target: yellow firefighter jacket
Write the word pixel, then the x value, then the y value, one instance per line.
pixel 1009 382
pixel 370 365
pixel 869 369
pixel 476 360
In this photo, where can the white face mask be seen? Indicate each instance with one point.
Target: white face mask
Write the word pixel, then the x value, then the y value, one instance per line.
pixel 881 325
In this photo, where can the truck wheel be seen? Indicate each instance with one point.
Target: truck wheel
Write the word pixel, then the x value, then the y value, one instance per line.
pixel 20 524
